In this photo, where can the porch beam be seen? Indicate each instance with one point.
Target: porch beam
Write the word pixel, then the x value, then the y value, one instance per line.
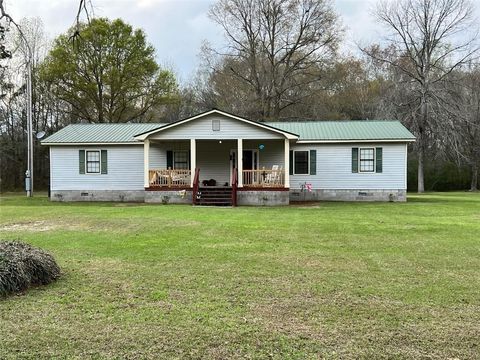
pixel 240 162
pixel 287 163
pixel 146 162
pixel 193 159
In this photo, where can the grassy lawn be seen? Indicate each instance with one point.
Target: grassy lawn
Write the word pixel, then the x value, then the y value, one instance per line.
pixel 330 280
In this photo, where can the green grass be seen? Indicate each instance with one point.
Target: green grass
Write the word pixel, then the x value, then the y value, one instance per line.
pixel 331 280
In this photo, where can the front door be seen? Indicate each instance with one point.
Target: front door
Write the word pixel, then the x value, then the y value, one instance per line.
pixel 250 160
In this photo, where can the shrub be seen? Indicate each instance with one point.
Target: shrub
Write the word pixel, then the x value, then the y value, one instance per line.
pixel 23 265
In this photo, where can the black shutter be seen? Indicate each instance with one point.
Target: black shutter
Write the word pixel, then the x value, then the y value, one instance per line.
pixel 104 162
pixel 81 161
pixel 379 160
pixel 188 160
pixel 313 162
pixel 354 160
pixel 169 159
pixel 291 163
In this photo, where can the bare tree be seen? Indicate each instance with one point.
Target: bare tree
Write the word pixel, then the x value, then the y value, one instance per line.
pixel 275 43
pixel 435 37
pixel 464 128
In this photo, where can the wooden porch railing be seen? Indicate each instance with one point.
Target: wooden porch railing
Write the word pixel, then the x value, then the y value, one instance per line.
pixel 169 178
pixel 196 184
pixel 264 178
pixel 234 186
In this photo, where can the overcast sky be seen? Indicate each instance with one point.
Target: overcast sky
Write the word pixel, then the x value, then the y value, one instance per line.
pixel 177 27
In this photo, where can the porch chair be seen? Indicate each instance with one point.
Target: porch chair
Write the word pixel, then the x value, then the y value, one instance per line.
pixel 172 177
pixel 153 180
pixel 274 177
pixel 179 178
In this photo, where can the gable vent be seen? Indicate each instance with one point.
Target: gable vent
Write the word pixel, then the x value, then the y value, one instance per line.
pixel 216 125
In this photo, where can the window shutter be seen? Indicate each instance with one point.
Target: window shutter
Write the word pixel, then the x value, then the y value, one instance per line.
pixel 188 160
pixel 81 161
pixel 379 160
pixel 169 159
pixel 104 162
pixel 291 163
pixel 313 162
pixel 354 160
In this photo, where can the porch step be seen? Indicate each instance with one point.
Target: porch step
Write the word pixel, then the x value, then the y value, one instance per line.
pixel 214 196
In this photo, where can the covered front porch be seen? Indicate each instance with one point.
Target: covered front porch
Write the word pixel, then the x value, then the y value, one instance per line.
pixel 191 164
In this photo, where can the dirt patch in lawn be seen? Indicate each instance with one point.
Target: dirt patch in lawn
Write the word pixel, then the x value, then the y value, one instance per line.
pixel 306 204
pixel 73 225
pixel 46 225
pixel 35 226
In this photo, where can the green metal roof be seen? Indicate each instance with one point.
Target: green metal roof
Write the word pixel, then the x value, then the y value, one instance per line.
pixel 99 133
pixel 346 130
pixel 337 130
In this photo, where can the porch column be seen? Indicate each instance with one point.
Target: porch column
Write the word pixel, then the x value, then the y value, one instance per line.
pixel 193 160
pixel 240 162
pixel 287 163
pixel 146 162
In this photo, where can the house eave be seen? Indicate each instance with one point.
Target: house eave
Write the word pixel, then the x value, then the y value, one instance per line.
pixel 91 143
pixel 146 134
pixel 355 141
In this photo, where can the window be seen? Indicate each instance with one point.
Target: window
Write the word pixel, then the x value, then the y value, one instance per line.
pixel 93 162
pixel 180 160
pixel 300 160
pixel 367 160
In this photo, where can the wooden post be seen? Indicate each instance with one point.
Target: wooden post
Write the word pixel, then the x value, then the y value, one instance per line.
pixel 286 170
pixel 193 160
pixel 240 162
pixel 146 162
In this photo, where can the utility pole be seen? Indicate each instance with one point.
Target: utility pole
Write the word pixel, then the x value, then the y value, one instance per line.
pixel 29 173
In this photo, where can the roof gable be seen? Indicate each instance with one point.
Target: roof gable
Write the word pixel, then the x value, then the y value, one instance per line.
pixel 215 112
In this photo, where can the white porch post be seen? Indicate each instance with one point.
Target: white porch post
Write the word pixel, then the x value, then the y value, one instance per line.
pixel 146 162
pixel 240 162
pixel 287 163
pixel 193 160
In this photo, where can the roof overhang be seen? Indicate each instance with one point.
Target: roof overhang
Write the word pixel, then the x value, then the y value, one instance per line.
pixel 89 143
pixel 145 135
pixel 355 141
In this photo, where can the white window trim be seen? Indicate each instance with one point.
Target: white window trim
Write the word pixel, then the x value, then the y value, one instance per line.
pixel 374 171
pixel 174 154
pixel 100 161
pixel 308 161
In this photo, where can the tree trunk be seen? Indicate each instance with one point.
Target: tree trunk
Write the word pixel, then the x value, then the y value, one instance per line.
pixel 421 140
pixel 421 185
pixel 474 183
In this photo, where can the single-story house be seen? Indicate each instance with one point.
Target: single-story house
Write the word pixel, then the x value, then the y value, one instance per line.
pixel 219 158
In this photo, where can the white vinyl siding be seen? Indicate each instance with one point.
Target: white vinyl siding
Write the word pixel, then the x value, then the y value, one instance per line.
pixel 229 129
pixel 125 165
pixel 271 154
pixel 125 169
pixel 334 168
pixel 158 152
